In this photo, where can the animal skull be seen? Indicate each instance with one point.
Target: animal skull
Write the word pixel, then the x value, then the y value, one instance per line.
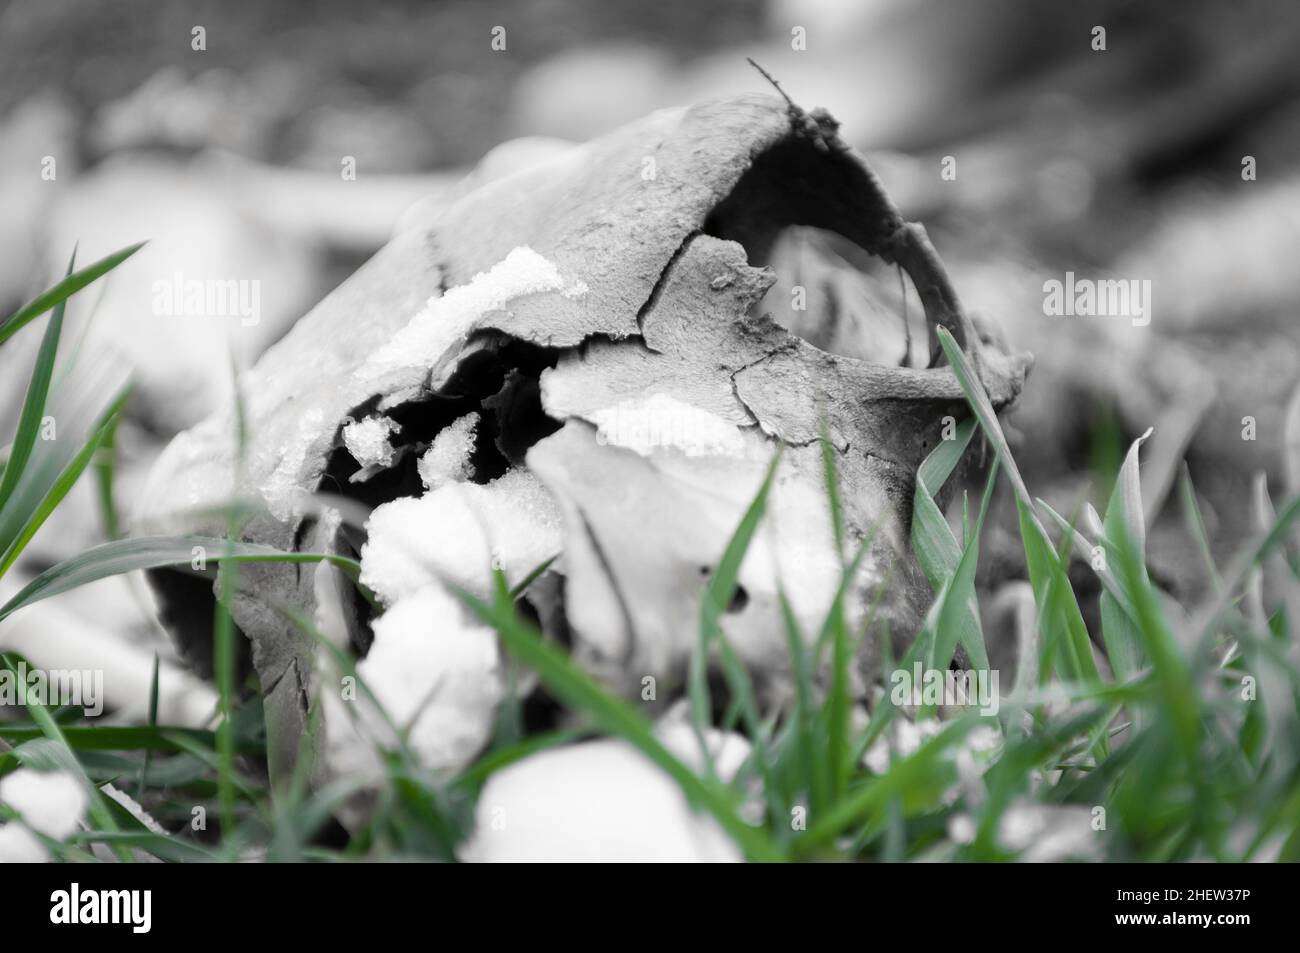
pixel 575 360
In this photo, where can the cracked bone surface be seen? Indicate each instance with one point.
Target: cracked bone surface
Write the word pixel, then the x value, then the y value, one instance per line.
pixel 574 360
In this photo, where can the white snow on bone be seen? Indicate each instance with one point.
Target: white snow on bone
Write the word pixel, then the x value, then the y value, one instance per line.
pixel 431 670
pixel 401 365
pixel 457 532
pixel 447 318
pixel 447 459
pixel 281 488
pixel 662 422
pixel 368 440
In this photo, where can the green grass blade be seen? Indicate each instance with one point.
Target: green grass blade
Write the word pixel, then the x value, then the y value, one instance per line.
pixel 717 597
pixel 958 619
pixel 1058 607
pixel 1244 563
pixel 1172 672
pixel 104 466
pixel 918 778
pixel 223 670
pixel 839 705
pixel 1125 511
pixel 121 737
pixel 61 486
pixel 1124 515
pixel 811 769
pixel 29 421
pixel 153 552
pixel 61 292
pixel 537 572
pixel 1196 528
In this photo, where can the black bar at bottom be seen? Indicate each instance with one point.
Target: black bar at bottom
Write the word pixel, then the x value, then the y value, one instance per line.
pixel 216 904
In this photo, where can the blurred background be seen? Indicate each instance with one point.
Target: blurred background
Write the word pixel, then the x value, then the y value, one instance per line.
pixel 1165 148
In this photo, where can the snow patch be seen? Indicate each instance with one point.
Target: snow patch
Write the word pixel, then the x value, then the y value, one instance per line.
pixel 281 488
pixel 664 422
pixel 572 804
pixel 457 533
pixel 446 319
pixel 400 367
pixel 49 803
pixel 447 459
pixel 431 670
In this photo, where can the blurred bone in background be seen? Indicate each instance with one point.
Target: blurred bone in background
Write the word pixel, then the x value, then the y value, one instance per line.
pixel 1171 155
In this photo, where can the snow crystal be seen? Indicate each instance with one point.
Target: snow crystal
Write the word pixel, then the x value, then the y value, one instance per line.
pixel 457 532
pixel 447 459
pixel 367 441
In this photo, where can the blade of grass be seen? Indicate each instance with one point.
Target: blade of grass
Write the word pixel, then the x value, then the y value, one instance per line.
pixel 120 737
pixel 814 770
pixel 61 486
pixel 153 723
pixel 958 620
pixel 1196 528
pixel 62 291
pixel 1173 675
pixel 538 571
pixel 717 596
pixel 925 773
pixel 154 552
pixel 1124 515
pixel 1057 604
pixel 29 420
pixel 105 470
pixel 223 632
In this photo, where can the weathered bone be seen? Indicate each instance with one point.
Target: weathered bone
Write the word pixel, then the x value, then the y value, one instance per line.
pixel 573 305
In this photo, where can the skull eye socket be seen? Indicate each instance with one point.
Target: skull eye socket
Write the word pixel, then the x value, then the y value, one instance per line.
pixel 843 300
pixel 825 228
